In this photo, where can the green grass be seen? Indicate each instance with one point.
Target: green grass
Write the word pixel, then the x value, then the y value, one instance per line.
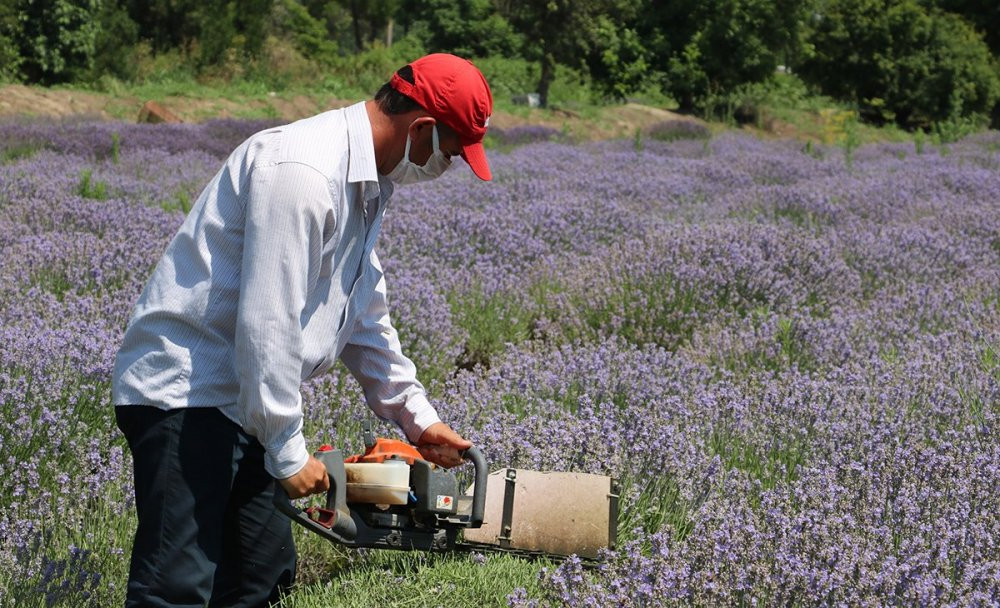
pixel 88 187
pixel 398 579
pixel 19 151
pixel 658 505
pixel 103 537
pixel 494 320
pixel 772 465
pixel 181 201
pixel 95 525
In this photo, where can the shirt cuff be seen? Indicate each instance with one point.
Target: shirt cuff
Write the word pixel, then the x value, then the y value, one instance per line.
pixel 416 416
pixel 286 460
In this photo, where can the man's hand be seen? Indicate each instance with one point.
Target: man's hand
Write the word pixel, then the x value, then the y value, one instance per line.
pixel 312 479
pixel 440 445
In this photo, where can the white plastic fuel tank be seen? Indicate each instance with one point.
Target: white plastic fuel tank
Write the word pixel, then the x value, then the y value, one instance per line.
pixel 384 483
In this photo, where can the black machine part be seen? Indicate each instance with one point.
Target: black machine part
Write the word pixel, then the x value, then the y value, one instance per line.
pixel 422 526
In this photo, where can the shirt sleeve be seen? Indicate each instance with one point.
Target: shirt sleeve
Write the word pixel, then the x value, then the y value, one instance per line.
pixel 388 378
pixel 286 209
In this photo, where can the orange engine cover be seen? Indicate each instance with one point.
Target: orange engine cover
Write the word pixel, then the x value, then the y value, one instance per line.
pixel 387 448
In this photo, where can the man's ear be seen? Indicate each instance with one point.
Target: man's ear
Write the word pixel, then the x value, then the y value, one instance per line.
pixel 419 125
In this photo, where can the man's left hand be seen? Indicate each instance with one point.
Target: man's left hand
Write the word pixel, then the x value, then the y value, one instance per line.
pixel 440 445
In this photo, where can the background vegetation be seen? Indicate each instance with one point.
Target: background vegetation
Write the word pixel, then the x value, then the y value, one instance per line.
pixel 918 64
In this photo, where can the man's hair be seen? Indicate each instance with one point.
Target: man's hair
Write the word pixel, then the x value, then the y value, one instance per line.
pixel 390 101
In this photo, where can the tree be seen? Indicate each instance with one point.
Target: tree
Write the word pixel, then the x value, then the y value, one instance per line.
pixel 370 20
pixel 983 15
pixel 468 28
pixel 707 48
pixel 57 39
pixel 581 34
pixel 308 34
pixel 900 62
pixel 223 25
pixel 166 24
pixel 10 54
pixel 116 38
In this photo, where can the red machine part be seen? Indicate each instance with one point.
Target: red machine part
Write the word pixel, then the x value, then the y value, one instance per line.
pixel 387 448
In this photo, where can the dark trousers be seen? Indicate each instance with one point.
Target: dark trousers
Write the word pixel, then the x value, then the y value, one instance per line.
pixel 208 533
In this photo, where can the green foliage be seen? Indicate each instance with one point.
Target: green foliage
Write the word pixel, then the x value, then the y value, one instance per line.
pixel 309 36
pixel 18 151
pixel 513 76
pixel 899 62
pixel 710 48
pixel 57 39
pixel 919 63
pixel 773 465
pixel 618 61
pixel 674 130
pixel 655 504
pixel 491 322
pixel 983 16
pixel 468 28
pixel 850 141
pixel 116 37
pixel 116 141
pixel 592 36
pixel 229 30
pixel 91 188
pixel 409 578
pixel 10 55
pixel 165 24
pixel 367 71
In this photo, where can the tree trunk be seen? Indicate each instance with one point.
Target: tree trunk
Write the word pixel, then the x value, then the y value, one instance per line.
pixel 356 19
pixel 546 77
pixel 388 32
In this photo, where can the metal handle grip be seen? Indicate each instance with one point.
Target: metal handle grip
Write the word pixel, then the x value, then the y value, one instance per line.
pixel 343 529
pixel 479 493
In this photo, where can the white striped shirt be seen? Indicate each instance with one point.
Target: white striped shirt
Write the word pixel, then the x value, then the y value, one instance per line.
pixel 271 277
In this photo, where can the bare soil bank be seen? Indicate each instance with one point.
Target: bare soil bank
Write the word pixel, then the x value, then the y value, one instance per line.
pixel 39 102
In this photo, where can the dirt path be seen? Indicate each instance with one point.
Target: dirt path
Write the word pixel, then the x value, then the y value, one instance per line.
pixel 39 102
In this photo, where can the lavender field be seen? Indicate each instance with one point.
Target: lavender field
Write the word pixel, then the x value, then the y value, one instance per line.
pixel 790 356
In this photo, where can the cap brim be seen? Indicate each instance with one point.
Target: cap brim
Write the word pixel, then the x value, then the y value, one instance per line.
pixel 475 155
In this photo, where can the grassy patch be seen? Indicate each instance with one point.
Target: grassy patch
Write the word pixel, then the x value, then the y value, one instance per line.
pixel 658 506
pixel 77 552
pixel 88 187
pixel 492 321
pixel 651 310
pixel 76 563
pixel 803 218
pixel 19 151
pixel 773 465
pixel 787 348
pixel 180 202
pixel 386 578
pixel 54 280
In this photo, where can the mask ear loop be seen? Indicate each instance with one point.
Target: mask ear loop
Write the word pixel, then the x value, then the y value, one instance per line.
pixel 436 145
pixel 406 152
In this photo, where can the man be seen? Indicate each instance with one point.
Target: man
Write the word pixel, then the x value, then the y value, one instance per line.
pixel 270 279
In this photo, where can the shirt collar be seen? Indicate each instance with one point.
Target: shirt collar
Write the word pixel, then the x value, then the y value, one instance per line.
pixel 361 160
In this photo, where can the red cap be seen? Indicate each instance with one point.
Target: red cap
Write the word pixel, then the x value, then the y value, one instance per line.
pixel 455 92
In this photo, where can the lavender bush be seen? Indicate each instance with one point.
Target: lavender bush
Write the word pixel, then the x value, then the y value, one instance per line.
pixel 672 130
pixel 791 362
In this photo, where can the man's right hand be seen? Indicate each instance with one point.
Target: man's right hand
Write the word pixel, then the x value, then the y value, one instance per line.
pixel 312 479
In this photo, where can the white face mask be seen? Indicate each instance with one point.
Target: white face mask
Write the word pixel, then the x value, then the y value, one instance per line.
pixel 408 172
